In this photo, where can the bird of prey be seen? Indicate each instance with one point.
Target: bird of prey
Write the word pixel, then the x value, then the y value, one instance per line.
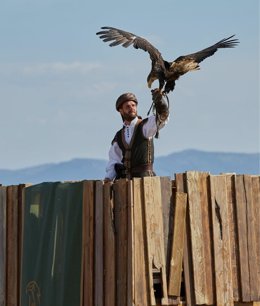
pixel 164 71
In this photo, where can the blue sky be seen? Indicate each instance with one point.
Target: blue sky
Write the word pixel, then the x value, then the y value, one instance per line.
pixel 59 81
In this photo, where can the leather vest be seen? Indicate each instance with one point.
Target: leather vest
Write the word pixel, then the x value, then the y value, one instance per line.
pixel 139 152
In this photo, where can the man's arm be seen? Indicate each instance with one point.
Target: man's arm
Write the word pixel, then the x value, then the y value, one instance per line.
pixel 161 116
pixel 160 105
pixel 151 127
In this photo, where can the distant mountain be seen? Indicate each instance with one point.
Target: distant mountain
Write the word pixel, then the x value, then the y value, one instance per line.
pixel 213 162
pixel 76 169
pixel 188 160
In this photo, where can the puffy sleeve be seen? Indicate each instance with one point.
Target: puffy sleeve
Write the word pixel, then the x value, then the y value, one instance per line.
pixel 115 156
pixel 151 126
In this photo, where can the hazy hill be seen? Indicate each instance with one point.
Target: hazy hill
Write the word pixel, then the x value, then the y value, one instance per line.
pixel 79 169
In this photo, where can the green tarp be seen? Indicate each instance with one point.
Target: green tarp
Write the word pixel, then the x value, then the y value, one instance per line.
pixel 52 245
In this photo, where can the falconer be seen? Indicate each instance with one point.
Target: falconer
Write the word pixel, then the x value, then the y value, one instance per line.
pixel 132 150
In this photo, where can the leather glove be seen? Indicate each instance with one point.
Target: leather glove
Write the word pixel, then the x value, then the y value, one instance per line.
pixel 161 104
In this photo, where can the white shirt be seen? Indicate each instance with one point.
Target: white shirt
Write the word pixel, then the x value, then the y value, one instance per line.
pixel 115 154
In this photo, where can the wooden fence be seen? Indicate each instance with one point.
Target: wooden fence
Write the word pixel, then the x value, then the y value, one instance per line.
pixel 194 240
pixel 222 245
pixel 129 252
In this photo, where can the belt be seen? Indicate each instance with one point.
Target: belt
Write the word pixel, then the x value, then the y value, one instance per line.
pixel 141 168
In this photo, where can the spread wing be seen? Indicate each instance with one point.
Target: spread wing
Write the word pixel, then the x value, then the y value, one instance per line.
pixel 201 55
pixel 120 37
pixel 186 63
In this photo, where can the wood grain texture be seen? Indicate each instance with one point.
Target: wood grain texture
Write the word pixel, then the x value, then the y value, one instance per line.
pixel 109 247
pixel 98 245
pixel 221 241
pixel 2 246
pixel 241 206
pixel 155 235
pixel 175 273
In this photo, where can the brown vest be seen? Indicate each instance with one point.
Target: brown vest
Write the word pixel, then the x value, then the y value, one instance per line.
pixel 138 155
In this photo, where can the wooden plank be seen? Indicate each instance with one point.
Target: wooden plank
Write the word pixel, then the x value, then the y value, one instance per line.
pixel 200 237
pixel 196 237
pixel 130 250
pixel 221 239
pixel 20 236
pixel 256 200
pixel 252 227
pixel 167 210
pixel 121 227
pixel 175 274
pixel 140 261
pixel 12 247
pixel 155 236
pixel 88 243
pixel 109 247
pixel 234 253
pixel 168 190
pixel 207 236
pixel 181 186
pixel 242 238
pixel 2 245
pixel 98 224
pixel 181 182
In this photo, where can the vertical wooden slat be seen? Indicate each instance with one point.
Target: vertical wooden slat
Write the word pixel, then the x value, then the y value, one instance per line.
pixel 130 233
pixel 200 237
pixel 196 237
pixel 154 235
pixel 256 200
pixel 252 226
pixel 20 235
pixel 181 186
pixel 207 236
pixel 98 287
pixel 2 246
pixel 12 246
pixel 221 240
pixel 168 191
pixel 175 272
pixel 120 210
pixel 140 262
pixel 231 203
pixel 167 209
pixel 242 237
pixel 88 243
pixel 109 247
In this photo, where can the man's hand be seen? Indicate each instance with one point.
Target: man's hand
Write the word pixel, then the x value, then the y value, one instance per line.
pixel 161 105
pixel 156 95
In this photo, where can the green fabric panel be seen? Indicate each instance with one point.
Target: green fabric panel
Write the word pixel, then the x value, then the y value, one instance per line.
pixel 52 245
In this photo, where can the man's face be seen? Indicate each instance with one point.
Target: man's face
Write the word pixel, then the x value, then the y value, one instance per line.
pixel 128 110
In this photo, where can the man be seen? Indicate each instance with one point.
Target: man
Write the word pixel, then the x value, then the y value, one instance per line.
pixel 132 151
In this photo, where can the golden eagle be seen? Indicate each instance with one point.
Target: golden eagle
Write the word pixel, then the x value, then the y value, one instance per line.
pixel 163 71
